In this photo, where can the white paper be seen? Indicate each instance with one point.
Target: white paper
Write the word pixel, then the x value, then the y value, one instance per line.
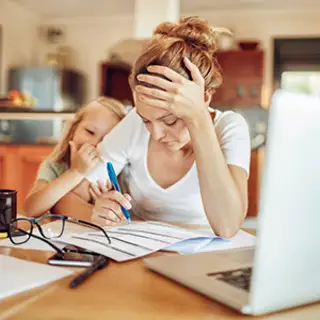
pixel 135 240
pixel 31 244
pixel 189 240
pixel 240 240
pixel 18 275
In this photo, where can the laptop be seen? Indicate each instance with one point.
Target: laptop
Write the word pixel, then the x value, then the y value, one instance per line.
pixel 283 270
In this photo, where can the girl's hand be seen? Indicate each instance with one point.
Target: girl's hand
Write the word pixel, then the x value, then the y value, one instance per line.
pixel 84 159
pixel 97 190
pixel 184 98
pixel 107 208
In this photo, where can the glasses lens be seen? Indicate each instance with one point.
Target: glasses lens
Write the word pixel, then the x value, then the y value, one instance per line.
pixel 52 226
pixel 20 230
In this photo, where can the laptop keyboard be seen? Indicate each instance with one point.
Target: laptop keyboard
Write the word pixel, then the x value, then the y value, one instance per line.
pixel 239 278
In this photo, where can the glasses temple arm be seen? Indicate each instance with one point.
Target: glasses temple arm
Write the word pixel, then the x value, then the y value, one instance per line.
pixel 90 224
pixel 46 241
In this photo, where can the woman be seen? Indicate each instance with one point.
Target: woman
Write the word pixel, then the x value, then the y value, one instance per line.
pixel 180 164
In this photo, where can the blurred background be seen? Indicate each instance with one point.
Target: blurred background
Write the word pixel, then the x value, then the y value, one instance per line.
pixel 56 55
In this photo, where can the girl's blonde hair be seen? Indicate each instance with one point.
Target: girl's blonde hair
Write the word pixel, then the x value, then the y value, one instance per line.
pixel 61 152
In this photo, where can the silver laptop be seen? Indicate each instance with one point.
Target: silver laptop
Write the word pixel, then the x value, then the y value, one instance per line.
pixel 284 270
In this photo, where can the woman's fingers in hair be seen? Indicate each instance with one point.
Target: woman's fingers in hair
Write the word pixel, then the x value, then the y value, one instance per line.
pixel 157 82
pixel 195 72
pixel 153 92
pixel 168 73
pixel 172 75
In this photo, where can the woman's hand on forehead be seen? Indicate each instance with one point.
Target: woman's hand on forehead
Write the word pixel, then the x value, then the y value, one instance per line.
pixel 182 97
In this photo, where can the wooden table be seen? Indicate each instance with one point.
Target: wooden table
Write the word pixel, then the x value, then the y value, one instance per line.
pixel 122 291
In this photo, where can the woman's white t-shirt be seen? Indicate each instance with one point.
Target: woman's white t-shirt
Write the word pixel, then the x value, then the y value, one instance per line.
pixel 126 147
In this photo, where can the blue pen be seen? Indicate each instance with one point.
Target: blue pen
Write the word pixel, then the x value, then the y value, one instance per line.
pixel 115 184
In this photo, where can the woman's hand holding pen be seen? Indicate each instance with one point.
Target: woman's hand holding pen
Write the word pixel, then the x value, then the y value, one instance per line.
pixel 107 204
pixel 84 159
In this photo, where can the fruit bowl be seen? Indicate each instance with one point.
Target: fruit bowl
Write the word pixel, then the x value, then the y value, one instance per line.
pixel 21 99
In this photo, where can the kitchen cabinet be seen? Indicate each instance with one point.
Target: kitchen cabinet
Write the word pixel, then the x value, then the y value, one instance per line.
pixel 18 167
pixel 242 72
pixel 115 81
pixel 8 164
pixel 254 182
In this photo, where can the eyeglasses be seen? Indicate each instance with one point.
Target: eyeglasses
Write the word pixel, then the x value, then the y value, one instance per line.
pixel 21 229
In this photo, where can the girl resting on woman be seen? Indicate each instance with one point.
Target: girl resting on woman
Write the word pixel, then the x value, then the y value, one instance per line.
pixel 73 157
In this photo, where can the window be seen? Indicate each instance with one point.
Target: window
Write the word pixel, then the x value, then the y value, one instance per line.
pixel 297 65
pixel 299 81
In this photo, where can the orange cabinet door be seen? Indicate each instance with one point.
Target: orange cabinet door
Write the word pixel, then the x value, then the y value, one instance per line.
pixel 29 160
pixel 254 182
pixel 3 150
pixel 9 176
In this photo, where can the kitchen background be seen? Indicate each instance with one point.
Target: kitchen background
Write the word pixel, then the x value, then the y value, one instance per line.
pixel 63 53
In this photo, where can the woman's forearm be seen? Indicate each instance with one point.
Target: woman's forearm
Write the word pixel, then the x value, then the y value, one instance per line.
pixel 220 196
pixel 42 200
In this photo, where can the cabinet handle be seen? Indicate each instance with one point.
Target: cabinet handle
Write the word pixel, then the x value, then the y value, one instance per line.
pixel 241 90
pixel 254 91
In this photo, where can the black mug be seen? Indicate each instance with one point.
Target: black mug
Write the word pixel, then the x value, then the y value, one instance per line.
pixel 8 208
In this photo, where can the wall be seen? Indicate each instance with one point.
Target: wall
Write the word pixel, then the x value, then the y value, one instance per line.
pixel 19 32
pixel 89 39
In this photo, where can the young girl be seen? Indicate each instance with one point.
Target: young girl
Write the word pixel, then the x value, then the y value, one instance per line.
pixel 74 156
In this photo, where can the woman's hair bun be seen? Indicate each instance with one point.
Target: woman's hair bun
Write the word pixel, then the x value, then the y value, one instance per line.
pixel 193 30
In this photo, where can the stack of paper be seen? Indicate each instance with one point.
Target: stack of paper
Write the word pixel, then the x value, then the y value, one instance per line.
pixel 140 239
pixel 19 275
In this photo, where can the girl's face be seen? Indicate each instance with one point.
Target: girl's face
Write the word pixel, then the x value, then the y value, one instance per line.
pixel 97 121
pixel 163 126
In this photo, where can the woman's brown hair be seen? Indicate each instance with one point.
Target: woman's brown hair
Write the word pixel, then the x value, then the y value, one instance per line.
pixel 191 37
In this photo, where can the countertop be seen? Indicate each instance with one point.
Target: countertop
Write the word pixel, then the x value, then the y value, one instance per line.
pixel 36 115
